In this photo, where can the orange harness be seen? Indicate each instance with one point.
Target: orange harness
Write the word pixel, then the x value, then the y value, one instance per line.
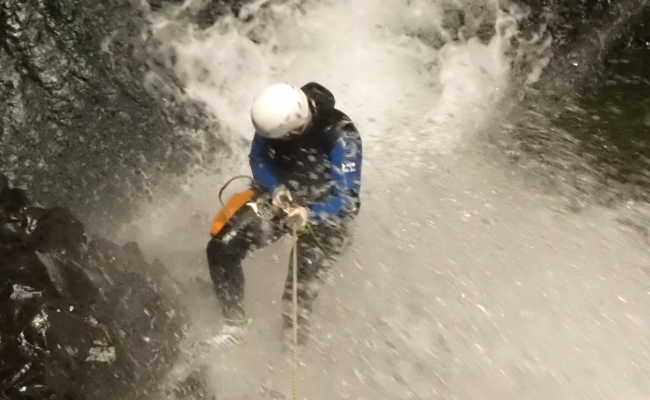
pixel 237 201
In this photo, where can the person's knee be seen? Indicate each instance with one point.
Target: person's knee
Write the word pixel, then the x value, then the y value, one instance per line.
pixel 215 245
pixel 214 248
pixel 223 254
pixel 312 287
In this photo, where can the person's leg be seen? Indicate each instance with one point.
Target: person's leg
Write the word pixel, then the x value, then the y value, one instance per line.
pixel 225 253
pixel 318 249
pixel 224 260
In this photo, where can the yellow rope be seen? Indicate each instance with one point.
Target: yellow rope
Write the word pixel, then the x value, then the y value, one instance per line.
pixel 294 253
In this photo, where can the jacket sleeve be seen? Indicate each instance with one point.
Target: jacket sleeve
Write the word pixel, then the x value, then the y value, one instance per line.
pixel 264 172
pixel 346 158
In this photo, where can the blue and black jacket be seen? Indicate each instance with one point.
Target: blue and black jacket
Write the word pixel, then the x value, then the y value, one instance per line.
pixel 321 167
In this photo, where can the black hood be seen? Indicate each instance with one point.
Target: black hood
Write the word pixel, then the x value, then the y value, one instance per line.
pixel 322 98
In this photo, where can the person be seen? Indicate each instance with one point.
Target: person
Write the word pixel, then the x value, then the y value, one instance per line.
pixel 306 157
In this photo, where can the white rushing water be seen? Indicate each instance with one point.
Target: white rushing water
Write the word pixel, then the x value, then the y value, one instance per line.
pixel 464 280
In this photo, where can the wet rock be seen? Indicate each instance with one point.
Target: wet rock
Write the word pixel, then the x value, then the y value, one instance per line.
pixel 209 14
pixel 78 125
pixel 4 184
pixel 158 4
pixel 80 317
pixel 55 228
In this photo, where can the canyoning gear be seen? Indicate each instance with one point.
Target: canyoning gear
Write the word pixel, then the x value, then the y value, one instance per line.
pixel 280 111
pixel 304 326
pixel 234 204
pixel 296 219
pixel 281 197
pixel 321 167
pixel 230 181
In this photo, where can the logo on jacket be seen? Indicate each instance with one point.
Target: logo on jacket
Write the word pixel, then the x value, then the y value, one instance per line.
pixel 349 166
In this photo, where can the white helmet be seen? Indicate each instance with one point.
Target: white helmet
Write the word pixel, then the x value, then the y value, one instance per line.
pixel 279 111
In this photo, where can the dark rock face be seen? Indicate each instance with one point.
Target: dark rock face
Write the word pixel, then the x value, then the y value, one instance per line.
pixel 584 34
pixel 582 133
pixel 203 14
pixel 80 318
pixel 77 126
